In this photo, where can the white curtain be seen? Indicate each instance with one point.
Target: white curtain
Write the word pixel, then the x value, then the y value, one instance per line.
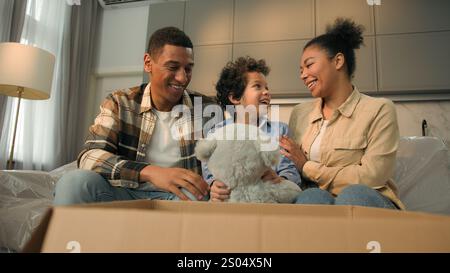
pixel 41 123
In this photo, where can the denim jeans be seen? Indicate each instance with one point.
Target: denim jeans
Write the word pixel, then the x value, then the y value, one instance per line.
pixel 83 186
pixel 357 195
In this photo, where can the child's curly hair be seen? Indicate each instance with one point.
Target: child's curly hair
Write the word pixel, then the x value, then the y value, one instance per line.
pixel 233 78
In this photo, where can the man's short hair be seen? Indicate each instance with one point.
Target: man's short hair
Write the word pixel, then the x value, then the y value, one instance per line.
pixel 167 36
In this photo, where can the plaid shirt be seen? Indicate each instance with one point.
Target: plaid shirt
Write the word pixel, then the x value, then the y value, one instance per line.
pixel 117 142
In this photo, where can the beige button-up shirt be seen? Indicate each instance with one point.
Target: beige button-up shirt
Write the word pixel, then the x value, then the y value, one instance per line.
pixel 358 147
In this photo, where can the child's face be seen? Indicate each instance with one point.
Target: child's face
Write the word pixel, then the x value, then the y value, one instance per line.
pixel 257 91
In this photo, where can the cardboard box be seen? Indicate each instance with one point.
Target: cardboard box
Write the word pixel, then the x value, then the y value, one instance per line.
pixel 170 226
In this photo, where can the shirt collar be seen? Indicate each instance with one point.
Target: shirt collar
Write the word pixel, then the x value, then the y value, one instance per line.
pixel 146 104
pixel 349 106
pixel 316 113
pixel 346 109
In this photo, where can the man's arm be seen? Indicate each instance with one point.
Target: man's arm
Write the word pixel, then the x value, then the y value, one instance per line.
pixel 100 153
pixel 173 179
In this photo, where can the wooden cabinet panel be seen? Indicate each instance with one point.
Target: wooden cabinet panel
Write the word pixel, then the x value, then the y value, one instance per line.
pixel 209 21
pixel 165 14
pixel 269 20
pixel 406 16
pixel 284 60
pixel 414 61
pixel 406 40
pixel 209 61
pixel 328 10
pixel 366 70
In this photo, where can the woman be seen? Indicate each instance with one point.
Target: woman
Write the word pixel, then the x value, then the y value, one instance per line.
pixel 344 142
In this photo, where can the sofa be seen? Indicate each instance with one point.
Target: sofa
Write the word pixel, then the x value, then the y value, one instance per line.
pixel 422 178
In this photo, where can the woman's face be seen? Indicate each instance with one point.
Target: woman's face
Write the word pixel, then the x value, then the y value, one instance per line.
pixel 318 71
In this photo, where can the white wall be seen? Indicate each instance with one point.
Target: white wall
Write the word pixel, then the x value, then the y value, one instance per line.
pixel 120 53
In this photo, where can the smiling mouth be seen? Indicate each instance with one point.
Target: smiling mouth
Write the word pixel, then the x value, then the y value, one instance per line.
pixel 177 87
pixel 311 84
pixel 266 102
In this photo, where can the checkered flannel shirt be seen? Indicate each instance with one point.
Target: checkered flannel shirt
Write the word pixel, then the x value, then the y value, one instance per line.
pixel 117 142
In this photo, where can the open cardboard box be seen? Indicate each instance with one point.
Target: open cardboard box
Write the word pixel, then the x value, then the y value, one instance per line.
pixel 171 226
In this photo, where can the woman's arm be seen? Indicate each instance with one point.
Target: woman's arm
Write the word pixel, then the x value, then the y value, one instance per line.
pixel 377 163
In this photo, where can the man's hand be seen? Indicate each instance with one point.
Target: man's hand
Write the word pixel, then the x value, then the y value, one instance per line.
pixel 271 175
pixel 293 152
pixel 219 191
pixel 171 179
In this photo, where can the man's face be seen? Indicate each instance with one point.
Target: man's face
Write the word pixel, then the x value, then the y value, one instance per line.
pixel 171 72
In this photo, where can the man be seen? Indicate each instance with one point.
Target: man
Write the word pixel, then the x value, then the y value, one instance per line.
pixel 132 151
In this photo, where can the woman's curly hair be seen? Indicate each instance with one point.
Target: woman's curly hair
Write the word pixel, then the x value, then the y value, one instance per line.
pixel 233 78
pixel 343 37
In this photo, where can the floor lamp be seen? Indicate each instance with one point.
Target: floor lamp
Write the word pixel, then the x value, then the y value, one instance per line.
pixel 26 72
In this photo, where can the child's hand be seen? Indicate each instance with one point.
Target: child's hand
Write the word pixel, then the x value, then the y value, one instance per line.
pixel 219 191
pixel 271 175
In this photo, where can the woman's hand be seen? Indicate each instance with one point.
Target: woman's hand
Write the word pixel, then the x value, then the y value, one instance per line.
pixel 271 175
pixel 219 191
pixel 293 151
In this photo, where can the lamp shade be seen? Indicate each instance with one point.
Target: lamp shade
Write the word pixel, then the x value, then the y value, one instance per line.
pixel 28 67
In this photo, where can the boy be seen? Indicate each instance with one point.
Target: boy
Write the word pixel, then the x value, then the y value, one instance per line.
pixel 243 83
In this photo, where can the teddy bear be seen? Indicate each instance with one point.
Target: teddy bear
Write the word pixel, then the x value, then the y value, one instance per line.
pixel 239 155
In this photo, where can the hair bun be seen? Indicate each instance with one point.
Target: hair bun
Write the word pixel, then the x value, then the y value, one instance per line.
pixel 348 31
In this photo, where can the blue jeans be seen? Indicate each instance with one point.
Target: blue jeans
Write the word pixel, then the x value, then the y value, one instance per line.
pixel 356 195
pixel 83 186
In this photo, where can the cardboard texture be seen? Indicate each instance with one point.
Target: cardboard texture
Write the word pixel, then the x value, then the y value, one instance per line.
pixel 170 226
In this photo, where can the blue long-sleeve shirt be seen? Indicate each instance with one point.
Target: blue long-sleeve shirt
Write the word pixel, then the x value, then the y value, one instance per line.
pixel 285 168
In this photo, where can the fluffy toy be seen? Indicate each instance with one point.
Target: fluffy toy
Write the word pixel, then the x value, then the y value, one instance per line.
pixel 239 155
